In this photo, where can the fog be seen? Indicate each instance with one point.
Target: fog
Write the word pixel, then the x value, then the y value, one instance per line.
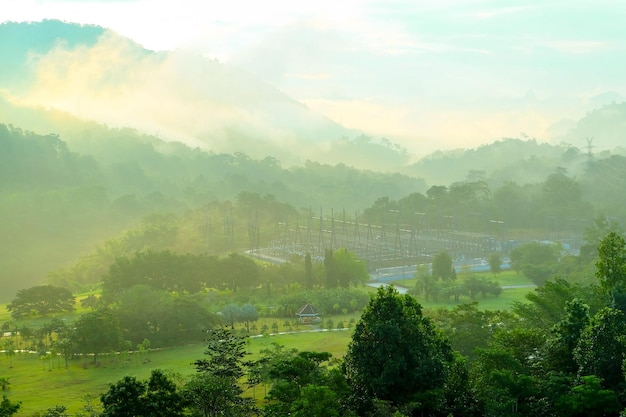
pixel 175 95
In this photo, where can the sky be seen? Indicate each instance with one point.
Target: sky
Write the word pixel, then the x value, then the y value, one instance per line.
pixel 449 73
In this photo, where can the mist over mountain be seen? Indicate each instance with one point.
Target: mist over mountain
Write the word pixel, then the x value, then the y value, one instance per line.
pixel 96 74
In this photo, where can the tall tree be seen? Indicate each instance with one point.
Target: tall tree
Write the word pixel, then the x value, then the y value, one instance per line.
pixel 129 397
pixel 329 267
pixel 41 300
pixel 396 354
pixel 611 269
pixel 536 260
pixel 348 269
pixel 308 272
pixel 215 391
pixel 602 346
pixel 442 266
pixel 565 337
pixel 97 332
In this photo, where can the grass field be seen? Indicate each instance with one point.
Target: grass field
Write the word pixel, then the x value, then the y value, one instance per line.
pixel 502 302
pixel 41 384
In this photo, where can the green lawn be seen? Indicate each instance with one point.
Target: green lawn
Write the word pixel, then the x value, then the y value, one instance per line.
pixel 502 302
pixel 41 384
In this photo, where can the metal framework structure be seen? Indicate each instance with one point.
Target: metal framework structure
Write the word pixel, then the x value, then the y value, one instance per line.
pixel 381 246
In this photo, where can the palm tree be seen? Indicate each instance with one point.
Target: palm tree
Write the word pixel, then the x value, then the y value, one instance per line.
pixel 4 383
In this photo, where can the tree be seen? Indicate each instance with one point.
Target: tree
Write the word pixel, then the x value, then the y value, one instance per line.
pixel 215 390
pixel 238 271
pixel 442 266
pixel 130 397
pixel 611 269
pixel 329 268
pixel 495 263
pixel 308 272
pixel 225 353
pixel 588 399
pixel 602 346
pixel 123 398
pixel 41 300
pixel 565 337
pixel 248 313
pixel 8 408
pixel 395 354
pixel 56 411
pixel 96 332
pixel 594 234
pixel 231 314
pixel 538 261
pixel 348 269
pixel 213 396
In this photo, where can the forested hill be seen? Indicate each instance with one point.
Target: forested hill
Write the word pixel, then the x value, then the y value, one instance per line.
pixel 61 204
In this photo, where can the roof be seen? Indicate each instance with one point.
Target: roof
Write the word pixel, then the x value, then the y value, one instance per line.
pixel 307 310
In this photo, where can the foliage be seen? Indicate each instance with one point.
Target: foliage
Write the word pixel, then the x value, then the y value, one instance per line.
pixel 96 332
pixel 601 346
pixel 160 270
pixel 468 328
pixel 8 408
pixel 225 353
pixel 495 263
pixel 442 266
pixel 215 390
pixel 396 354
pixel 130 397
pixel 611 268
pixel 545 306
pixel 162 317
pixel 348 269
pixel 588 399
pixel 41 300
pixel 538 261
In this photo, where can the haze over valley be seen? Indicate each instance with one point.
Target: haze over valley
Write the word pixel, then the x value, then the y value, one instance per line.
pixel 206 202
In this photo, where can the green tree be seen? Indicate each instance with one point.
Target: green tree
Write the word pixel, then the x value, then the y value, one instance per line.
pixel 97 332
pixel 215 390
pixel 495 263
pixel 130 397
pixel 238 271
pixel 536 260
pixel 248 314
pixel 602 346
pixel 123 399
pixel 212 396
pixel 329 268
pixel 308 272
pixel 348 269
pixel 396 354
pixel 565 337
pixel 442 266
pixel 588 399
pixel 56 411
pixel 8 408
pixel 611 269
pixel 225 354
pixel 231 314
pixel 594 234
pixel 41 300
